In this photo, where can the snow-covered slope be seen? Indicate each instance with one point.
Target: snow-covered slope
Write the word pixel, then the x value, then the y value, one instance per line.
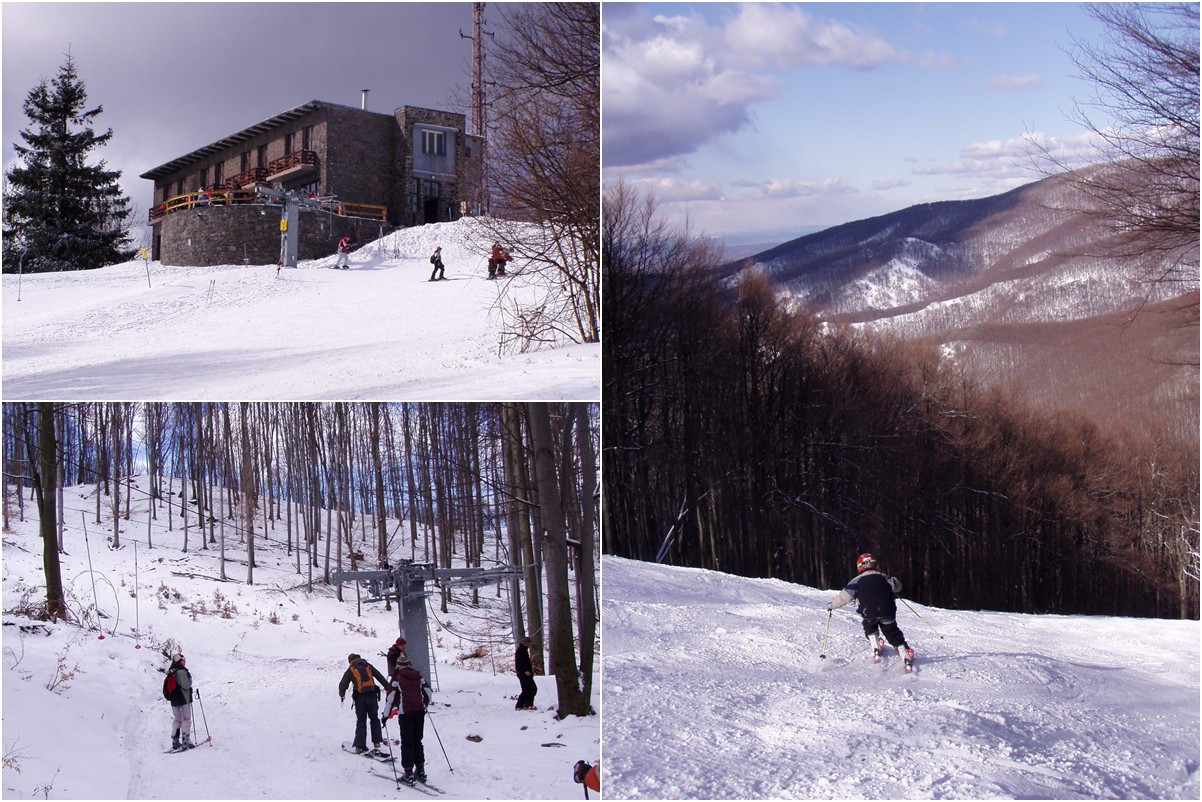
pixel 267 660
pixel 714 689
pixel 380 330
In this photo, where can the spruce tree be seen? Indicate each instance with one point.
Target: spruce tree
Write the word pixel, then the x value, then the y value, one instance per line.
pixel 61 213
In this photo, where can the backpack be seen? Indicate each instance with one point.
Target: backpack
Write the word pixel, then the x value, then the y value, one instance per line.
pixel 431 258
pixel 170 685
pixel 361 672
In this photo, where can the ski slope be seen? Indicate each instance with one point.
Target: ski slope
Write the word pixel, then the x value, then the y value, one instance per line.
pixel 714 689
pixel 380 330
pixel 268 688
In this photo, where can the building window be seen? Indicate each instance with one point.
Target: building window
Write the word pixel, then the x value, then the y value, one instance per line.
pixel 244 162
pixel 307 138
pixel 434 143
pixel 204 178
pixel 219 173
pixel 287 144
pixel 261 157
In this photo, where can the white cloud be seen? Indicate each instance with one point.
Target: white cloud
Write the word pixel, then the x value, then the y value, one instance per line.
pixel 677 190
pixel 896 183
pixel 778 188
pixel 1016 158
pixel 675 82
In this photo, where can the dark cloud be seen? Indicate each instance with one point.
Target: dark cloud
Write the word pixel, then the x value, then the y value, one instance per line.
pixel 173 77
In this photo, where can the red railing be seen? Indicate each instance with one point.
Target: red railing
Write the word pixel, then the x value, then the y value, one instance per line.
pixel 291 160
pixel 247 177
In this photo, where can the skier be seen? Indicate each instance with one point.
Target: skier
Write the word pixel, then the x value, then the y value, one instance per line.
pixel 177 688
pixel 525 671
pixel 413 697
pixel 876 596
pixel 365 696
pixel 502 260
pixel 589 776
pixel 496 262
pixel 436 260
pixel 395 651
pixel 344 254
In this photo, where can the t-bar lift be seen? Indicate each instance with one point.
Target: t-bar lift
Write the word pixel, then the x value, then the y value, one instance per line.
pixel 406 585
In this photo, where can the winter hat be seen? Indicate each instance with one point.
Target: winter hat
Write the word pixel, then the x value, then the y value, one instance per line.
pixel 400 641
pixel 404 660
pixel 438 247
pixel 352 657
pixel 175 658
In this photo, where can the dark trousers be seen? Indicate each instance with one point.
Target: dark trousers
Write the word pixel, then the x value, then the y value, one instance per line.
pixel 436 272
pixel 529 689
pixel 367 707
pixel 412 751
pixel 492 268
pixel 888 627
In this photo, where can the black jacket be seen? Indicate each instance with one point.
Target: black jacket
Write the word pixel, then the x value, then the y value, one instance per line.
pixel 874 593
pixel 521 661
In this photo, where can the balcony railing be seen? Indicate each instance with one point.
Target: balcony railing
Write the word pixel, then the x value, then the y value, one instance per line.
pixel 233 197
pixel 246 178
pixel 302 158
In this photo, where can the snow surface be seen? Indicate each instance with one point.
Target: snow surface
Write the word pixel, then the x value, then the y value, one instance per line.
pixel 268 691
pixel 714 689
pixel 380 330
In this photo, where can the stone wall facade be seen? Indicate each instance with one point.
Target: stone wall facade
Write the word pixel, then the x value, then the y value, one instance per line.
pixel 362 157
pixel 250 234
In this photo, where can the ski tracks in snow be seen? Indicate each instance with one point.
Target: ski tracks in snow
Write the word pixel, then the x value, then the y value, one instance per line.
pixel 714 689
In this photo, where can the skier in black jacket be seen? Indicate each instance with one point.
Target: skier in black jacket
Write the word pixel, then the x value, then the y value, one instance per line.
pixel 525 671
pixel 362 676
pixel 875 595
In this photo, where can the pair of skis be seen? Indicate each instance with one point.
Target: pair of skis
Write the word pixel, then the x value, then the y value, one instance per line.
pixel 383 757
pixel 878 650
pixel 177 749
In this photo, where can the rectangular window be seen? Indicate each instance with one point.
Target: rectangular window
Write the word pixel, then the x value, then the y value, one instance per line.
pixel 261 157
pixel 179 187
pixel 204 178
pixel 219 173
pixel 434 143
pixel 307 138
pixel 244 162
pixel 287 144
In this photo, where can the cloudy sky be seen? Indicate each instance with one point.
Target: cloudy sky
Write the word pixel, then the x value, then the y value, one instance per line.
pixel 173 77
pixel 754 117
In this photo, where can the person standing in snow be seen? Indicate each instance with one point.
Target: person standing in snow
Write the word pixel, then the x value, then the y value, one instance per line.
pixel 876 596
pixel 413 697
pixel 394 651
pixel 365 696
pixel 178 689
pixel 436 260
pixel 496 262
pixel 344 254
pixel 525 671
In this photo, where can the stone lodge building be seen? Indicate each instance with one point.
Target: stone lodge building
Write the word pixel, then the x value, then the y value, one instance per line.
pixel 370 172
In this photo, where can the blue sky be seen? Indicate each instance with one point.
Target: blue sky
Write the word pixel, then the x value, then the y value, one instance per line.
pixel 754 117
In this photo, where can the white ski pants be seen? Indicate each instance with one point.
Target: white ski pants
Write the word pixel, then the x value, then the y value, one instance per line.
pixel 181 722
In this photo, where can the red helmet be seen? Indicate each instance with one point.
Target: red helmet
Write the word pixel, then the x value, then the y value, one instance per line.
pixel 865 561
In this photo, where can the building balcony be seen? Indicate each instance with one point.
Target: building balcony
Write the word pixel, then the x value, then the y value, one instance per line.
pixel 293 167
pixel 246 178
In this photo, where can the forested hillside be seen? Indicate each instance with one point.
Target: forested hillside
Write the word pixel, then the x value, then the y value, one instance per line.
pixel 744 436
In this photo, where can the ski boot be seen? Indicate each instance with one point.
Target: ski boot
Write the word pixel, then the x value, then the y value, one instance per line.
pixel 419 773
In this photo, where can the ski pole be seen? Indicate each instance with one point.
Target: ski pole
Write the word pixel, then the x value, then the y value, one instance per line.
pixel 208 738
pixel 824 634
pixel 391 759
pixel 920 618
pixel 444 749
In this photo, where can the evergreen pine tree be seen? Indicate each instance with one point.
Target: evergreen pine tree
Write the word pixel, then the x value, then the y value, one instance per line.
pixel 60 213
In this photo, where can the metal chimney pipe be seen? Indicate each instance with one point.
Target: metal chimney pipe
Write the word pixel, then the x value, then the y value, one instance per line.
pixel 363 105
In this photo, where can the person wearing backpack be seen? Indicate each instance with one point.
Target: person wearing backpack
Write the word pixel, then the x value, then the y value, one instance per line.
pixel 436 260
pixel 177 689
pixel 361 676
pixel 412 698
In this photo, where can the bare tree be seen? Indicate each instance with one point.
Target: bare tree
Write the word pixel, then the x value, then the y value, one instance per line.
pixel 545 161
pixel 1144 112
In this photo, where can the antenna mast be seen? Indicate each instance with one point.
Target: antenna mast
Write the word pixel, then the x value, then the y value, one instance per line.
pixel 479 100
